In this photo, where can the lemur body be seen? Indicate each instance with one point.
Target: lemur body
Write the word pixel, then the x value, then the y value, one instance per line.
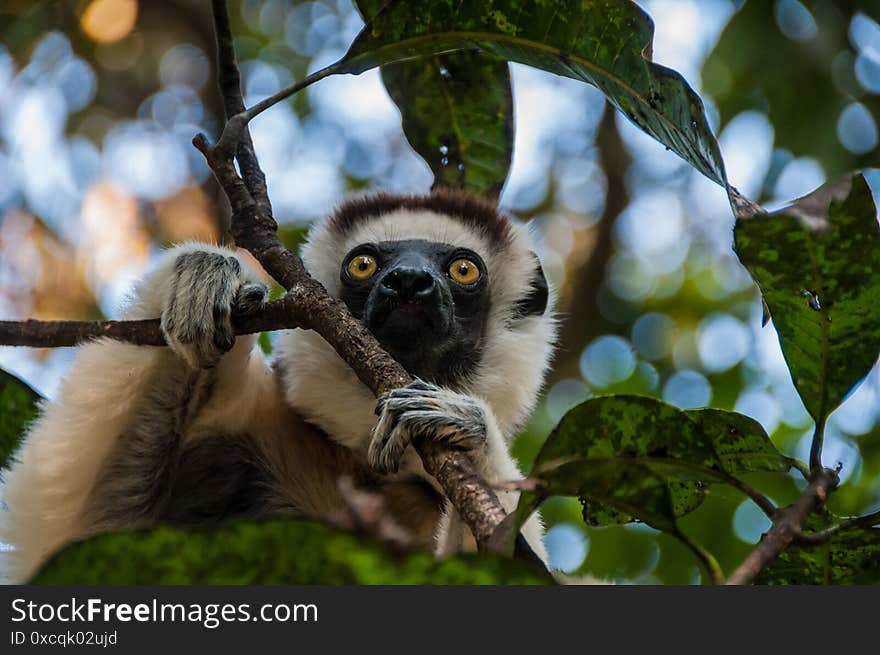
pixel 209 429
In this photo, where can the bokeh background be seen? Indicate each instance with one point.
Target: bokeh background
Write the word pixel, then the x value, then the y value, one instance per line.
pixel 99 100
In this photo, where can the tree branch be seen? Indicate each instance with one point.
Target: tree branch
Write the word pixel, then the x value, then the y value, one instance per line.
pixel 254 229
pixel 788 523
pixel 276 315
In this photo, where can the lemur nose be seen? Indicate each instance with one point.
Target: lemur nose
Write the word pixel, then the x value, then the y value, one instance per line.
pixel 408 283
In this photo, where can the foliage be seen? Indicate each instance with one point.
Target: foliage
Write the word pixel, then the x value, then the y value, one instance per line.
pixel 852 556
pixel 457 112
pixel 18 407
pixel 605 43
pixel 817 263
pixel 626 459
pixel 261 553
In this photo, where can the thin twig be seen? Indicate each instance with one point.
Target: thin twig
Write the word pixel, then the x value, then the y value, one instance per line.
pixel 710 565
pixel 229 82
pixel 787 525
pixel 823 536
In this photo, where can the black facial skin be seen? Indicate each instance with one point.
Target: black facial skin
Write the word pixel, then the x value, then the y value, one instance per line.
pixel 427 321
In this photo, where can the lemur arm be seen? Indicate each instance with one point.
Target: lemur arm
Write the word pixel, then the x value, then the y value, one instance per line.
pixel 427 411
pixel 123 410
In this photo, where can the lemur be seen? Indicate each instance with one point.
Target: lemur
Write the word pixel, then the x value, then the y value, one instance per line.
pixel 209 429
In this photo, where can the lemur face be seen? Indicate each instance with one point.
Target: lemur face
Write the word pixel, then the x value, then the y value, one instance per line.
pixel 426 303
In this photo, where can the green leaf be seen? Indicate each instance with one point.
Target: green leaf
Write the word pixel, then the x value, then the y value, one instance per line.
pixel 850 557
pixel 817 264
pixel 739 441
pixel 666 458
pixel 457 112
pixel 606 43
pixel 271 552
pixel 18 407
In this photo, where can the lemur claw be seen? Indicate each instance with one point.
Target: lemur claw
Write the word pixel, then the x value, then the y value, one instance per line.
pixel 423 410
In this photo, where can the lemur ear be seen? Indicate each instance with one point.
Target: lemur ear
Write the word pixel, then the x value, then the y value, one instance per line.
pixel 535 301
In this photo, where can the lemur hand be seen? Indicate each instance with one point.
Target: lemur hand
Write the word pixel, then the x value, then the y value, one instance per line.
pixel 204 290
pixel 423 410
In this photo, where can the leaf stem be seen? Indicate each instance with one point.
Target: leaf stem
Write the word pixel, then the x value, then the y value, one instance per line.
pixel 816 446
pixel 707 560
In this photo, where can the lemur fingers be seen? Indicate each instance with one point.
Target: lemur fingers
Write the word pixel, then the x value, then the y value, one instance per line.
pixel 204 290
pixel 423 410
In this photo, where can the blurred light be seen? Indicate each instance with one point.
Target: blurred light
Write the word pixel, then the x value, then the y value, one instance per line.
pixel 653 335
pixel 860 411
pixel 867 71
pixel 144 159
pixel 581 188
pixel 77 82
pixel 836 449
pixel 687 390
pixel 856 129
pixel 652 226
pixel 722 341
pixel 106 21
pixel 864 34
pixel 747 144
pixel 761 406
pixel 749 522
pixel 798 178
pixel 608 360
pixel 51 52
pixel 567 546
pixel 795 20
pixel 563 396
pixel 184 64
pixel 630 278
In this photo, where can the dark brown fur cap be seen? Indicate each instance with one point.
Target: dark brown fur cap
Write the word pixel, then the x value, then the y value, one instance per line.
pixel 468 208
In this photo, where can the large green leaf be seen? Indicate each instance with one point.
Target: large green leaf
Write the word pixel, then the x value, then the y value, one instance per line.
pixel 781 77
pixel 18 407
pixel 272 552
pixel 606 43
pixel 632 457
pixel 850 557
pixel 457 112
pixel 817 264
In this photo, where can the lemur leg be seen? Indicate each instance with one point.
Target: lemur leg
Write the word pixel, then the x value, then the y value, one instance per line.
pixel 118 395
pixel 427 411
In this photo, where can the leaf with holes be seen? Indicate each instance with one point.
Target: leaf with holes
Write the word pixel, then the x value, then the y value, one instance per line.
pixel 817 264
pixel 606 43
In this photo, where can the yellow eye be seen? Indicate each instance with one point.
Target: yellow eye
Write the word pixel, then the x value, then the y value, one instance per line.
pixel 464 271
pixel 362 267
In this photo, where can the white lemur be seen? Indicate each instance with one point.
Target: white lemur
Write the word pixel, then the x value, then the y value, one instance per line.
pixel 208 429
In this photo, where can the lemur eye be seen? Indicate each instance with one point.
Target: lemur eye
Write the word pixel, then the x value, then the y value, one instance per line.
pixel 464 271
pixel 362 267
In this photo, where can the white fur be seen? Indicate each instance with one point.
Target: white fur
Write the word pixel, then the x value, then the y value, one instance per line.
pixel 44 491
pixel 507 380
